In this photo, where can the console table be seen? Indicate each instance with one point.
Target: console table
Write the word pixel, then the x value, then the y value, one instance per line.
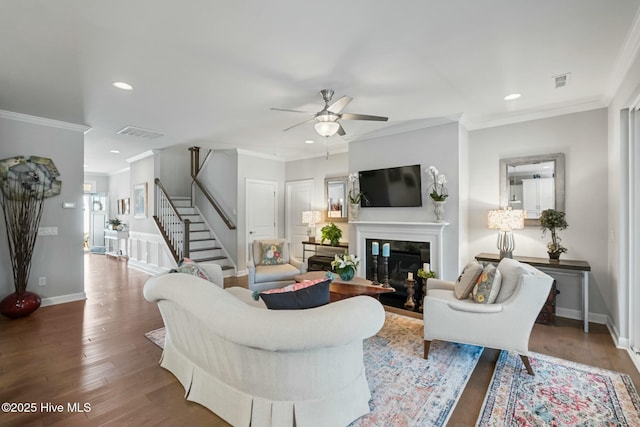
pixel 112 240
pixel 316 245
pixel 563 266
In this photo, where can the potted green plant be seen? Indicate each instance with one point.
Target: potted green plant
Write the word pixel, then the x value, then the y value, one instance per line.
pixel 553 221
pixel 114 223
pixel 345 265
pixel 332 233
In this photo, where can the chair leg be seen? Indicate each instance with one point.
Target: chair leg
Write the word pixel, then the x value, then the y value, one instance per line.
pixel 427 344
pixel 525 360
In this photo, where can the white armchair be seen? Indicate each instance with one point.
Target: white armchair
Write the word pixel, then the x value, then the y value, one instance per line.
pixel 271 265
pixel 503 325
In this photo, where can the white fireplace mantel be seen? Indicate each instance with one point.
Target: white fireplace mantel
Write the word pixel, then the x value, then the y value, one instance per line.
pixel 431 232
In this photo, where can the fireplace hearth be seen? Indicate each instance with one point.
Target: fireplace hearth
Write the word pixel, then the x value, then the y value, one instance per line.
pixel 405 257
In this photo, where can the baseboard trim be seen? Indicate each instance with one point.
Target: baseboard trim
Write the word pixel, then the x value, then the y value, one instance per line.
pixel 577 315
pixel 80 296
pixel 146 268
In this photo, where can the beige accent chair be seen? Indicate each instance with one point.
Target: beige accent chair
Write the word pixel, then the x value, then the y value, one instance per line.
pixel 258 367
pixel 505 325
pixel 263 277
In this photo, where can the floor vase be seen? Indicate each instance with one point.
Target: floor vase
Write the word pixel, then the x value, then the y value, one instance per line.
pixel 21 304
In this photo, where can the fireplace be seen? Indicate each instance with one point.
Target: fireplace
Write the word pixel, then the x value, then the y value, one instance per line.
pixel 427 237
pixel 405 257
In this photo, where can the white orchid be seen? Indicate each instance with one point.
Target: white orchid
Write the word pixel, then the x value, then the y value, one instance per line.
pixel 344 261
pixel 437 190
pixel 354 194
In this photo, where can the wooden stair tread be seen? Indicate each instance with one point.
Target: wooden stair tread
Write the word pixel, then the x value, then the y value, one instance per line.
pixel 213 258
pixel 210 248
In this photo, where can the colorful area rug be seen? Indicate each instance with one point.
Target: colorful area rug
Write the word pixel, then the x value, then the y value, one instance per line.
pixel 562 393
pixel 406 389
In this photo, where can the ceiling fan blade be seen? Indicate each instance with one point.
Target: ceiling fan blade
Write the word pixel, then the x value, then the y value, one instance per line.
pixel 352 116
pixel 293 111
pixel 341 131
pixel 301 123
pixel 339 105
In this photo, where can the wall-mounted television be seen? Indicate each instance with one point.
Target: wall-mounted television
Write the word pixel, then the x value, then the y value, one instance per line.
pixel 391 187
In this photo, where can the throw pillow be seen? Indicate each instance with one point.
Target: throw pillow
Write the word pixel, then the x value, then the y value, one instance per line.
pixel 272 253
pixel 307 294
pixel 467 279
pixel 512 272
pixel 487 286
pixel 188 266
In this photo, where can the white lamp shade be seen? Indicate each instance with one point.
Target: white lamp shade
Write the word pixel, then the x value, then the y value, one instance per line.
pixel 327 128
pixel 506 219
pixel 311 217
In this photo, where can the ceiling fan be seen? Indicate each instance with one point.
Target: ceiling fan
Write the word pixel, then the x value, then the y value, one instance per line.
pixel 327 120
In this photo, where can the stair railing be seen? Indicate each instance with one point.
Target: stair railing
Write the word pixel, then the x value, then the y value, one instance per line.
pixel 195 169
pixel 174 229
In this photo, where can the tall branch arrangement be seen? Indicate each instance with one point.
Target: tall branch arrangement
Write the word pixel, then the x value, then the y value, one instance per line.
pixel 24 184
pixel 22 210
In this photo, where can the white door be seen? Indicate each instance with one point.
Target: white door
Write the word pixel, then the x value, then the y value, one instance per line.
pixel 298 197
pixel 261 209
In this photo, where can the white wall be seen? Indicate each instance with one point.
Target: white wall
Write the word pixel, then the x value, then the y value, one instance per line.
pixel 101 181
pixel 174 169
pixel 319 168
pixel 619 290
pixel 58 258
pixel 438 146
pixel 582 137
pixel 120 188
pixel 218 176
pixel 254 166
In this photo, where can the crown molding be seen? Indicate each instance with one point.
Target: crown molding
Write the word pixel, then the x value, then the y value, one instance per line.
pixel 141 156
pixel 10 115
pixel 407 126
pixel 482 122
pixel 251 153
pixel 626 57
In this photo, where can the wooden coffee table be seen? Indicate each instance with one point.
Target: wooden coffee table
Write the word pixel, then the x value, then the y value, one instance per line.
pixel 341 289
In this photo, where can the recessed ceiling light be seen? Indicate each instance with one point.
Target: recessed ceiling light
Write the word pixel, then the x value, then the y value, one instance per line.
pixel 123 85
pixel 512 96
pixel 115 151
pixel 309 141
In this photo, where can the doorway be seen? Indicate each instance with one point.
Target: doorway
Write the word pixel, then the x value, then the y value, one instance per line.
pixel 95 215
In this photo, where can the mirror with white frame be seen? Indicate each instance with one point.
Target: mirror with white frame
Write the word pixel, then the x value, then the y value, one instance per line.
pixel 336 199
pixel 533 184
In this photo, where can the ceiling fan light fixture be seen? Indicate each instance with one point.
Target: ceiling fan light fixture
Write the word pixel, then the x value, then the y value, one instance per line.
pixel 327 128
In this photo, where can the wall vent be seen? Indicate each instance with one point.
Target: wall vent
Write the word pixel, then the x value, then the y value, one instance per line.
pixel 139 132
pixel 562 80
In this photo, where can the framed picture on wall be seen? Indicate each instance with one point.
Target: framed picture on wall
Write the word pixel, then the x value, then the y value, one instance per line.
pixel 125 206
pixel 140 200
pixel 119 203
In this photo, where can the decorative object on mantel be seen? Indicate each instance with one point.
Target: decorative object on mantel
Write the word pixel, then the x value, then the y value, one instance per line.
pixel 424 274
pixel 332 233
pixel 506 220
pixel 355 196
pixel 386 252
pixel 438 192
pixel 345 265
pixel 24 184
pixel 553 221
pixel 311 218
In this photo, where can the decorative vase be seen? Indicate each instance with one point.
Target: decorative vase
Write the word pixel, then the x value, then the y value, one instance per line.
pixel 17 305
pixel 354 210
pixel 346 273
pixel 554 255
pixel 438 209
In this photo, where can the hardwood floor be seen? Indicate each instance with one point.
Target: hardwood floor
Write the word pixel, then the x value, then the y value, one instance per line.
pixel 95 352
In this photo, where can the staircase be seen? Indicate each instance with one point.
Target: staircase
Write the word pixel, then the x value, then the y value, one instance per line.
pixel 203 246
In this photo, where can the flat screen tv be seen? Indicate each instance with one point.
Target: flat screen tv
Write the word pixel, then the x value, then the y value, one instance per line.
pixel 391 187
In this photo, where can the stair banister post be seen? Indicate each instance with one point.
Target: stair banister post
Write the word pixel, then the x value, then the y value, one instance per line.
pixel 187 222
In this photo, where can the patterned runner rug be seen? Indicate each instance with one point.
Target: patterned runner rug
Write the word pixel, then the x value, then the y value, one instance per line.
pixel 562 393
pixel 407 390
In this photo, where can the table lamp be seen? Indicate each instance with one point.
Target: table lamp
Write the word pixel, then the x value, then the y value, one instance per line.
pixel 311 218
pixel 506 220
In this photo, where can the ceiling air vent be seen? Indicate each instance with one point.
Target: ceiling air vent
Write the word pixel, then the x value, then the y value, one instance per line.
pixel 139 132
pixel 562 80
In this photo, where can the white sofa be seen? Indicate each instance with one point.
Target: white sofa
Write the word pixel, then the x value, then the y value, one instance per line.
pixel 505 325
pixel 258 367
